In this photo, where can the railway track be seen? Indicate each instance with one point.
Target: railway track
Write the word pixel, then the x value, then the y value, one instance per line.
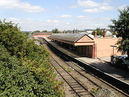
pixel 81 71
pixel 79 89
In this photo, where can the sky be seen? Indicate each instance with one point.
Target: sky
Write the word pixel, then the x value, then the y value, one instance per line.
pixel 41 15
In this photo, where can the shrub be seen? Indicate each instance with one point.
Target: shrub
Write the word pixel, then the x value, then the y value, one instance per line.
pixel 25 70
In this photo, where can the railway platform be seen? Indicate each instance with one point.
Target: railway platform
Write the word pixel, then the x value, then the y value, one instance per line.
pixel 99 63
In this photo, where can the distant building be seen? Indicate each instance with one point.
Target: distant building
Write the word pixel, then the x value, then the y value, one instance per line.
pixel 41 35
pixel 86 45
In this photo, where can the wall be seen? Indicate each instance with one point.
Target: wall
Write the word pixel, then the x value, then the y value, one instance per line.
pixel 103 46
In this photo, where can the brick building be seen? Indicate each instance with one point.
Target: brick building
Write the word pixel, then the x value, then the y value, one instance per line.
pixel 87 46
pixel 41 35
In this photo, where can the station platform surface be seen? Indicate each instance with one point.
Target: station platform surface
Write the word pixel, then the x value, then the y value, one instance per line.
pixel 100 63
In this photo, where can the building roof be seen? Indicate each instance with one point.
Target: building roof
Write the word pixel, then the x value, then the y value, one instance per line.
pixel 70 37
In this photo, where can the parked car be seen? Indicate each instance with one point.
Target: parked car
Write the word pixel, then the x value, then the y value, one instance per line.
pixel 120 61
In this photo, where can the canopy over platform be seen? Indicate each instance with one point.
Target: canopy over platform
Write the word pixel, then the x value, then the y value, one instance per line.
pixel 74 39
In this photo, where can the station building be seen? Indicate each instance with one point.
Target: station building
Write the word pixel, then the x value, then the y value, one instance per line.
pixel 41 35
pixel 86 46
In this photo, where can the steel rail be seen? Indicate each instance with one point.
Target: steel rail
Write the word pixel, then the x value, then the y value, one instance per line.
pixel 81 86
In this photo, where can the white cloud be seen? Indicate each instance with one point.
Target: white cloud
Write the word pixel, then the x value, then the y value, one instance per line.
pixel 87 3
pixel 66 16
pixel 13 19
pixel 67 23
pixel 105 6
pixel 92 6
pixel 29 24
pixel 81 16
pixel 20 5
pixel 98 9
pixel 53 21
pixel 93 10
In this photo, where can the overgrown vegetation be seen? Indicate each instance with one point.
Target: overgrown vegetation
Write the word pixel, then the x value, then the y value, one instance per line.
pixel 121 29
pixel 99 32
pixel 25 70
pixel 37 31
pixel 55 30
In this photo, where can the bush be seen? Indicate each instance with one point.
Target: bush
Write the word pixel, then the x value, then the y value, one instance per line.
pixel 18 80
pixel 25 70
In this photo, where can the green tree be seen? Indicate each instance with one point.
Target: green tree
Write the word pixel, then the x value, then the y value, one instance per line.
pixel 8 26
pixel 121 27
pixel 55 31
pixel 27 33
pixel 98 31
pixel 44 31
pixel 12 38
pixel 25 70
pixel 30 80
pixel 37 31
